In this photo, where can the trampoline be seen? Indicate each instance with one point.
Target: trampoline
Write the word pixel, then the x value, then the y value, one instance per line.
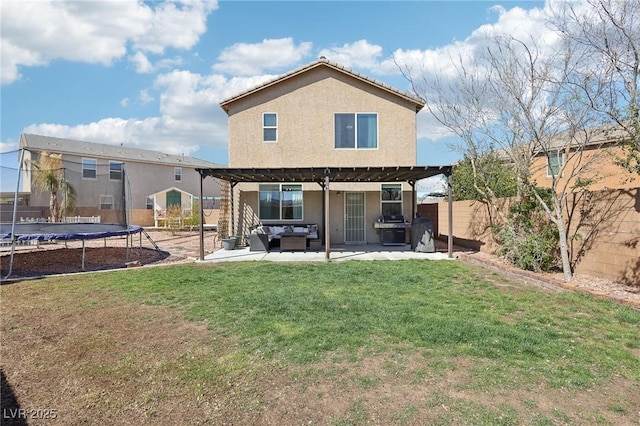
pixel 47 231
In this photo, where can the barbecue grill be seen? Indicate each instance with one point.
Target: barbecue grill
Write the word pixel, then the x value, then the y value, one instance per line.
pixel 392 229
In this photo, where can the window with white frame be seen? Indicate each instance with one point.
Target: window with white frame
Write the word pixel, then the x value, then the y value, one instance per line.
pixel 106 202
pixel 280 202
pixel 89 168
pixel 391 199
pixel 115 170
pixel 554 163
pixel 356 131
pixel 269 127
pixel 149 203
pixel 177 174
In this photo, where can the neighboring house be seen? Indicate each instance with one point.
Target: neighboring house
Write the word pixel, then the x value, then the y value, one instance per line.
pixel 594 161
pixel 118 183
pixel 322 116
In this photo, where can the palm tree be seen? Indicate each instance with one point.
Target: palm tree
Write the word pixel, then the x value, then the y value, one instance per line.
pixel 48 176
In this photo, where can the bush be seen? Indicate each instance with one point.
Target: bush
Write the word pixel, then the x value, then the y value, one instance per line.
pixel 174 218
pixel 529 241
pixel 528 250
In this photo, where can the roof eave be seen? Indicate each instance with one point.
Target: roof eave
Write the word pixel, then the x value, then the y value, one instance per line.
pixel 419 103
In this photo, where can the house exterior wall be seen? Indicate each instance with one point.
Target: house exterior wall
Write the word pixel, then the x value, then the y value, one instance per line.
pixel 141 180
pixel 247 215
pixel 305 106
pixel 599 163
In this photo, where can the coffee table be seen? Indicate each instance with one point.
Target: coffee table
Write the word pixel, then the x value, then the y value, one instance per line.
pixel 293 241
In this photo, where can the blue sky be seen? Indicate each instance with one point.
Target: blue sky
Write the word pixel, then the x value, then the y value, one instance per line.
pixel 151 74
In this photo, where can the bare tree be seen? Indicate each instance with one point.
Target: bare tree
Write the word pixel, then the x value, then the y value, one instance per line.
pixel 608 34
pixel 513 98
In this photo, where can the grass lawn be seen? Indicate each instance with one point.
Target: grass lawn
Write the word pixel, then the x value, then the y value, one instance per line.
pixel 382 342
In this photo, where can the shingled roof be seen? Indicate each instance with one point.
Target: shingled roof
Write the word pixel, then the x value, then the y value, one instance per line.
pixel 323 62
pixel 33 142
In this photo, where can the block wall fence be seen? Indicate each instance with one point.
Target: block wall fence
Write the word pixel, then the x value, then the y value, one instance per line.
pixel 606 224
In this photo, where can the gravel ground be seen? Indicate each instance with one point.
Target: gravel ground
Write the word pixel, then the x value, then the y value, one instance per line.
pixel 184 246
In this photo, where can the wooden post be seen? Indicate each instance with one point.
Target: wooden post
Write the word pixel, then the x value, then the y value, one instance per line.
pixel 450 199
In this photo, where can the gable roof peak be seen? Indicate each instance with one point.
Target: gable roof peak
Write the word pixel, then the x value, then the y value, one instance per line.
pixel 323 61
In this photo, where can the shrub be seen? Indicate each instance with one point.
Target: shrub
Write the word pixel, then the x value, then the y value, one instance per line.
pixel 528 250
pixel 174 218
pixel 529 241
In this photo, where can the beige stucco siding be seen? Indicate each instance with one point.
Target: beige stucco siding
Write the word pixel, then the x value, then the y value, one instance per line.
pixel 142 179
pixel 247 214
pixel 305 106
pixel 596 164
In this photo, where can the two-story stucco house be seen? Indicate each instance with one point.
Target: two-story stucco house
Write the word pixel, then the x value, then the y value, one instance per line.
pixel 118 183
pixel 595 161
pixel 322 145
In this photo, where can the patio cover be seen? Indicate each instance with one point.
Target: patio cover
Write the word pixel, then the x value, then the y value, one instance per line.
pixel 323 176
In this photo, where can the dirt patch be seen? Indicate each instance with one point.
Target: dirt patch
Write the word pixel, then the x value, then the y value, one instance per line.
pixel 93 359
pixel 414 389
pixel 59 257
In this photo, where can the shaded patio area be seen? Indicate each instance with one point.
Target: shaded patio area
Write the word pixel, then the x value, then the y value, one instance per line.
pixel 324 176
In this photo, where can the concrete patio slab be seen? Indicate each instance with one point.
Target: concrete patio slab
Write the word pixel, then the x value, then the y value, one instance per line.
pixel 340 253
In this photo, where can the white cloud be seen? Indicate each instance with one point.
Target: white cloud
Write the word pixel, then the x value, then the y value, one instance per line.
pixel 190 115
pixel 8 146
pixel 523 24
pixel 359 54
pixel 35 33
pixel 189 112
pixel 428 127
pixel 141 63
pixel 442 62
pixel 176 24
pixel 124 102
pixel 250 59
pixel 145 97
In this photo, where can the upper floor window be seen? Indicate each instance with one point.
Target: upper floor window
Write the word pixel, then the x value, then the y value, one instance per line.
pixel 391 199
pixel 177 174
pixel 280 201
pixel 89 168
pixel 269 127
pixel 356 131
pixel 115 170
pixel 554 163
pixel 150 203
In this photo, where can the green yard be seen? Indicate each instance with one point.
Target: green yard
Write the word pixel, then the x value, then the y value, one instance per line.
pixel 383 342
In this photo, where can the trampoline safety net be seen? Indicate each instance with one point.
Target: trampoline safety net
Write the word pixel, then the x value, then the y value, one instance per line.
pixel 98 188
